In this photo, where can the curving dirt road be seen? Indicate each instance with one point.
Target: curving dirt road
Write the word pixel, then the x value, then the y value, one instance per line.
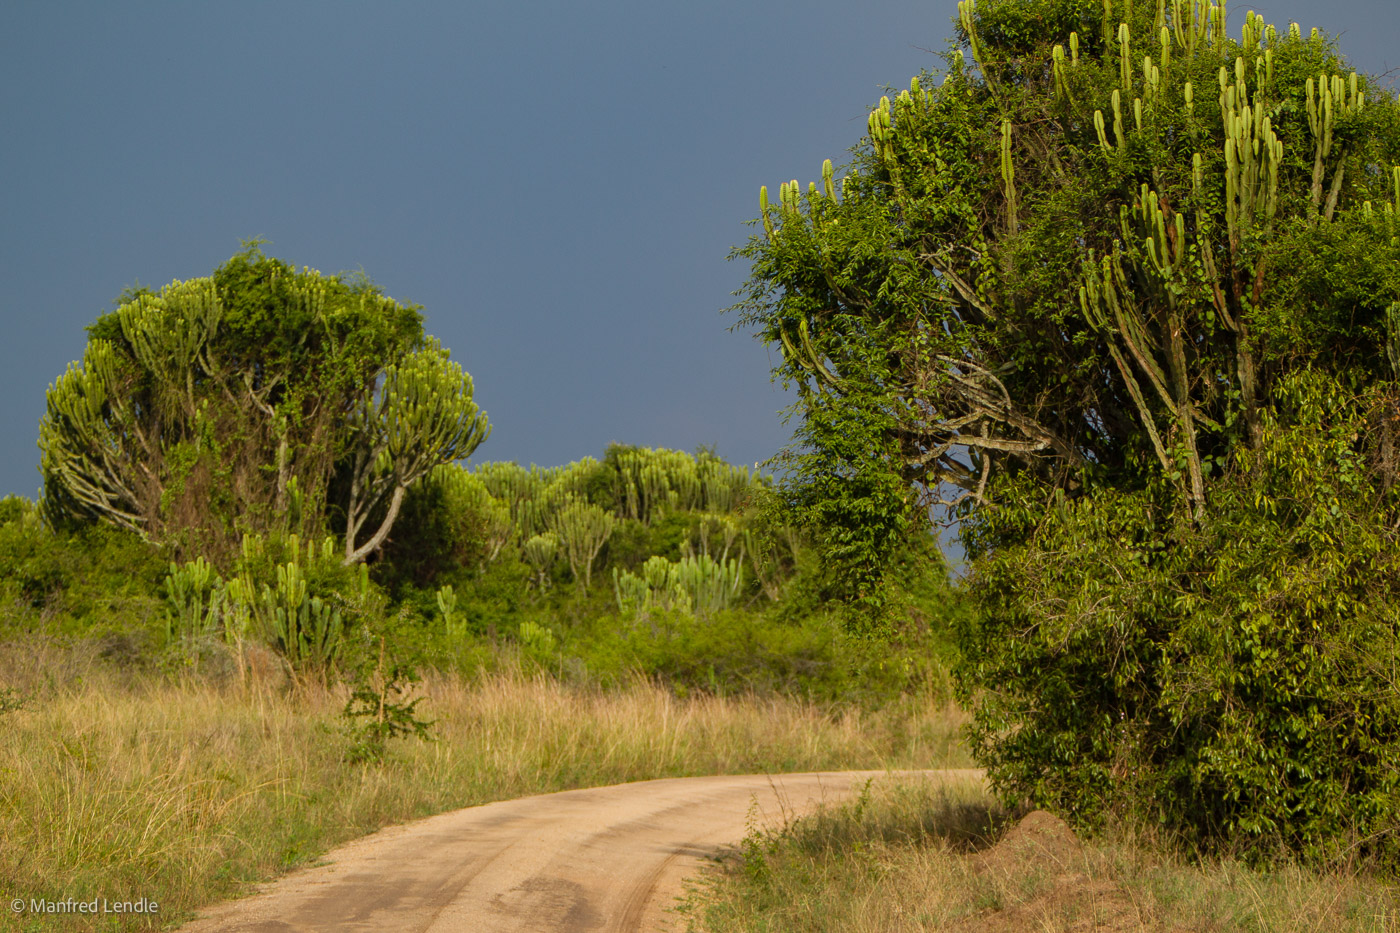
pixel 602 859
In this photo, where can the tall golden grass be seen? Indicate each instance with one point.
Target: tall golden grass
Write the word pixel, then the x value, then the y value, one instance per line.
pixel 184 793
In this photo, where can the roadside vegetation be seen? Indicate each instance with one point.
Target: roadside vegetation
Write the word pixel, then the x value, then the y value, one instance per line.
pixel 1116 289
pixel 907 857
pixel 186 791
pixel 166 736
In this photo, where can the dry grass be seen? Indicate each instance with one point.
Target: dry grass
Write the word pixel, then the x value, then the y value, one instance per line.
pixel 889 862
pixel 185 793
pixel 914 858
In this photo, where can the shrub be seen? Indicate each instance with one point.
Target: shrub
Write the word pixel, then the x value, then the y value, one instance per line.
pixel 1233 678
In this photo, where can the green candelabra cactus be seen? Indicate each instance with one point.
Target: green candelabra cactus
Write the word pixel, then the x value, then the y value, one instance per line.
pixel 1144 295
pixel 188 423
pixel 696 584
pixel 582 529
pixel 725 487
pixel 306 626
pixel 538 641
pixel 542 551
pixel 657 586
pixel 1058 73
pixel 197 602
pixel 84 442
pixel 466 495
pixel 169 332
pixel 532 496
pixel 631 592
pixel 789 206
pixel 1253 154
pixel 1125 58
pixel 454 625
pixel 510 483
pixel 712 585
pixel 1328 99
pixel 881 130
pixel 653 482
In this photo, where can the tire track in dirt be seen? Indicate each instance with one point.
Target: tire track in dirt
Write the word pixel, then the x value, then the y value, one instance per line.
pixel 606 859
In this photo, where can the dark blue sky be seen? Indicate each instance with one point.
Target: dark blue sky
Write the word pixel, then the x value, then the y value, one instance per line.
pixel 558 184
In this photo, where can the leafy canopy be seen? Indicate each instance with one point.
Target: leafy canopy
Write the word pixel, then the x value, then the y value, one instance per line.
pixel 1114 292
pixel 259 398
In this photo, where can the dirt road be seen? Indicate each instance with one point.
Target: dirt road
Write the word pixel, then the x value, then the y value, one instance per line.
pixel 602 859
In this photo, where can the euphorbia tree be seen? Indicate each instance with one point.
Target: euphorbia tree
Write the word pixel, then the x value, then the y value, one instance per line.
pixel 258 398
pixel 1085 254
pixel 1123 291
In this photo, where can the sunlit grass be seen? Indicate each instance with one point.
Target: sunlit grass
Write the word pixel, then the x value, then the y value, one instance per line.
pixel 185 793
pixel 915 857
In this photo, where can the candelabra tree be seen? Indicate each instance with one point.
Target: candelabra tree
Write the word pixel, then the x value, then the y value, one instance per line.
pixel 581 529
pixel 1085 291
pixel 247 402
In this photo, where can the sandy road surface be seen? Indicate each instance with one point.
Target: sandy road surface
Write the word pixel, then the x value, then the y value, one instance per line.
pixel 601 859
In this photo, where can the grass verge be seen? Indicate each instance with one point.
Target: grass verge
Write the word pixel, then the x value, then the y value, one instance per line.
pixel 183 794
pixel 914 856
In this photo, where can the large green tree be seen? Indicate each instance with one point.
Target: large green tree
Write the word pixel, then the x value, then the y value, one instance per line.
pixel 1117 289
pixel 259 398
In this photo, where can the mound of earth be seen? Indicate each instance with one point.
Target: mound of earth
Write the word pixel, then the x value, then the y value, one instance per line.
pixel 1042 881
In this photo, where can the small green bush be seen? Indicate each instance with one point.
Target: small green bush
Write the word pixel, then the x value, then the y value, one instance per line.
pixel 382 707
pixel 92 581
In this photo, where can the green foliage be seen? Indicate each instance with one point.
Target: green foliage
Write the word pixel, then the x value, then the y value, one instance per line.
pixel 733 652
pixel 246 402
pixel 772 542
pixel 693 584
pixel 858 512
pixel 449 520
pixel 1232 678
pixel 633 543
pixel 582 529
pixel 1120 297
pixel 677 579
pixel 635 503
pixel 479 612
pixel 1014 29
pixel 14 509
pixel 381 708
pixel 491 600
pixel 98 581
pixel 1087 294
pixel 12 701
